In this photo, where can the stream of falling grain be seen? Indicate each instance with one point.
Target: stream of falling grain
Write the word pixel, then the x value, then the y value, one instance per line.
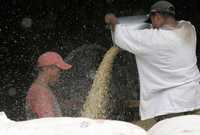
pixel 97 102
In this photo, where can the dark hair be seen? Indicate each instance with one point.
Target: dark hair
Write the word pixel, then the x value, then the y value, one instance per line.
pixel 164 14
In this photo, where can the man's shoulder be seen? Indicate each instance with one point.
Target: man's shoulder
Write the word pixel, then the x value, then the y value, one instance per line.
pixel 187 25
pixel 184 22
pixel 37 89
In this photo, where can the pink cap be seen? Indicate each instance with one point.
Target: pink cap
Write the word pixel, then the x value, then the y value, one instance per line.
pixel 52 58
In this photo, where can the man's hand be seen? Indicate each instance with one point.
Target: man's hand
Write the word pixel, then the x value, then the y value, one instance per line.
pixel 111 19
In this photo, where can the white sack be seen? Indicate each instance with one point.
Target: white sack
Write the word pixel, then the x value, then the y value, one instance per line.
pixel 67 126
pixel 182 125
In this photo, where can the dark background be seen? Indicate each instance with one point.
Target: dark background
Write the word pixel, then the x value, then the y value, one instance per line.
pixel 59 25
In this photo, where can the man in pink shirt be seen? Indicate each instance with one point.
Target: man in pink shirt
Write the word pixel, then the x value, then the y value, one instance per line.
pixel 40 100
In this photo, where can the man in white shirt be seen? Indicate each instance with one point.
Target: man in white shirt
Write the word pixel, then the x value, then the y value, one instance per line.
pixel 166 60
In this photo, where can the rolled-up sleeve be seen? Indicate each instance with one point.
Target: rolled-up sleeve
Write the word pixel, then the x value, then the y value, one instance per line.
pixel 135 41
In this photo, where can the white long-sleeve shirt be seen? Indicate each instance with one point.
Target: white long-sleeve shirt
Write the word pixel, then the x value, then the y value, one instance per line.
pixel 166 60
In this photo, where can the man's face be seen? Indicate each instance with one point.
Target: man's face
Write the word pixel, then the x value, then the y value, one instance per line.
pixel 157 20
pixel 54 73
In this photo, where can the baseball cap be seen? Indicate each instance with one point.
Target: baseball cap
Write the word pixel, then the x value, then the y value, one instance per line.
pixel 52 58
pixel 163 6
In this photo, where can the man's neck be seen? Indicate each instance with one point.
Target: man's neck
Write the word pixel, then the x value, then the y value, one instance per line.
pixel 42 80
pixel 171 22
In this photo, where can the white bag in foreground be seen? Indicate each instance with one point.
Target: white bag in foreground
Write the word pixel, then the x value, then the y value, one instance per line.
pixel 67 126
pixel 182 125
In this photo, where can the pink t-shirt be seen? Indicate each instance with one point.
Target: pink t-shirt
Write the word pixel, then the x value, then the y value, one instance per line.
pixel 41 101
